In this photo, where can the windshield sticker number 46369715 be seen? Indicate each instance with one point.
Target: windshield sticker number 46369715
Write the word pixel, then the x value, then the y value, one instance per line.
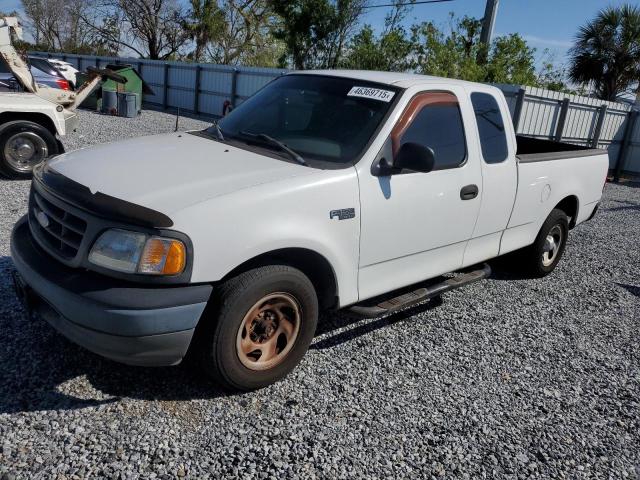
pixel 373 93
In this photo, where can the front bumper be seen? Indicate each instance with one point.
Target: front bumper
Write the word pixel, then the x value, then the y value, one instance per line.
pixel 71 122
pixel 127 322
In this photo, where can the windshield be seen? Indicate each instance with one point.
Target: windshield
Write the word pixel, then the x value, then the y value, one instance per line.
pixel 325 119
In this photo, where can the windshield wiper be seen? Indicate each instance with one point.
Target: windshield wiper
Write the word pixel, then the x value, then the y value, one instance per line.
pixel 277 143
pixel 218 131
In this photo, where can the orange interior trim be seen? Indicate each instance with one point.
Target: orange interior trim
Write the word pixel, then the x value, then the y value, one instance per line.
pixel 416 104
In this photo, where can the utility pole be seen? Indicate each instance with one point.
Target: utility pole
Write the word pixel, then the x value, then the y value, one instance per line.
pixel 488 21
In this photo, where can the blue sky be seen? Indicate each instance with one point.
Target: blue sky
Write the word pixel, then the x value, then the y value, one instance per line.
pixel 544 24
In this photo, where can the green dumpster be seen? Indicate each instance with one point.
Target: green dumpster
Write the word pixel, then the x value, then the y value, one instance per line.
pixel 135 84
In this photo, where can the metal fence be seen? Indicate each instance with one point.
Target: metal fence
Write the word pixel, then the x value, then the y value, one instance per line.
pixel 581 120
pixel 199 88
pixel 203 88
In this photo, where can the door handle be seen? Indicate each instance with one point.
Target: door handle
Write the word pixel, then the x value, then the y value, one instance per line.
pixel 469 192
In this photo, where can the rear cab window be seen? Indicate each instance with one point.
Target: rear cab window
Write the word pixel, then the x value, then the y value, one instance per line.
pixel 434 120
pixel 493 138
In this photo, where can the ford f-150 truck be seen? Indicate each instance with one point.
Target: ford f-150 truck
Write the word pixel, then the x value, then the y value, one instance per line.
pixel 325 190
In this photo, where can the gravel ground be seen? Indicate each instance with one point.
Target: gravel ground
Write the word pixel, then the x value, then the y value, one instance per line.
pixel 508 378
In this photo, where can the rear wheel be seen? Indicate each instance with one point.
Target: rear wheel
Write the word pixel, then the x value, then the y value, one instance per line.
pixel 23 145
pixel 265 321
pixel 543 256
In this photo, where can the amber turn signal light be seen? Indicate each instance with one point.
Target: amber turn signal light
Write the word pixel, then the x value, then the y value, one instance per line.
pixel 163 256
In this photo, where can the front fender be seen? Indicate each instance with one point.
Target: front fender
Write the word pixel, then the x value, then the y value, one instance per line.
pixel 229 230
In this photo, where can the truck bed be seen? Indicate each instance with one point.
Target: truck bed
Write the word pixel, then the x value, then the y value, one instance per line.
pixel 578 175
pixel 530 149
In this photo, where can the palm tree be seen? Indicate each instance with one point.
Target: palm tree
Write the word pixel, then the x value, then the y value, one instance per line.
pixel 606 53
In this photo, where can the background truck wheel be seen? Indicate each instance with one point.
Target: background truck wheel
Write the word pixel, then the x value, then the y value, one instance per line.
pixel 23 145
pixel 265 319
pixel 542 257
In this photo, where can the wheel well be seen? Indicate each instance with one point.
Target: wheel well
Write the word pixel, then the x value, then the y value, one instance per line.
pixel 39 118
pixel 309 262
pixel 569 205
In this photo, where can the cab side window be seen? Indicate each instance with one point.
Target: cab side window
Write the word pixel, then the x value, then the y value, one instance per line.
pixel 493 138
pixel 434 121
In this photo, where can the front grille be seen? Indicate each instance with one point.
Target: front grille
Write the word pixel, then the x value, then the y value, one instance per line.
pixel 60 230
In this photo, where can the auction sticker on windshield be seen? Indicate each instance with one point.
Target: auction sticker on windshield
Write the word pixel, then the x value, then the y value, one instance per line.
pixel 373 93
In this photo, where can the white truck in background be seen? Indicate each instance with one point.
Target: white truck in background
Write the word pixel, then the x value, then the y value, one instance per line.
pixel 29 131
pixel 325 190
pixel 32 120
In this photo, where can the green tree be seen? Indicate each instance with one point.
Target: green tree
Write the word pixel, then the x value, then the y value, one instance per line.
pixel 315 32
pixel 450 55
pixel 508 60
pixel 245 34
pixel 511 60
pixel 389 52
pixel 551 77
pixel 606 53
pixel 204 20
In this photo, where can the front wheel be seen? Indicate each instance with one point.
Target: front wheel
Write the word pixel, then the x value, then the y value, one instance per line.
pixel 543 256
pixel 23 145
pixel 265 321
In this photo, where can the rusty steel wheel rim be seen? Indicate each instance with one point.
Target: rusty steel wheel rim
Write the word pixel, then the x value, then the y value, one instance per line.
pixel 268 331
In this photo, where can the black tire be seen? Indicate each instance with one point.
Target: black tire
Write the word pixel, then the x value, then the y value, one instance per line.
pixel 557 223
pixel 220 353
pixel 9 130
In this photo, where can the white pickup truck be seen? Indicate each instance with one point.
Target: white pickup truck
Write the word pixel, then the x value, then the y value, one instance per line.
pixel 29 130
pixel 325 190
pixel 31 119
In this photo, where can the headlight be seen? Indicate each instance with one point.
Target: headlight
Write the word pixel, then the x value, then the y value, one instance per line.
pixel 133 252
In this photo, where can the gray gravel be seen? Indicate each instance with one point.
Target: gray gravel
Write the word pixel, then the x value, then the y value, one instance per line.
pixel 508 378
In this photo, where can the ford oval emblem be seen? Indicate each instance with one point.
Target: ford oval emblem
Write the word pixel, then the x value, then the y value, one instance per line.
pixel 42 218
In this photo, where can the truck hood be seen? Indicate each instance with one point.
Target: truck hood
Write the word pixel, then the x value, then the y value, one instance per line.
pixel 172 171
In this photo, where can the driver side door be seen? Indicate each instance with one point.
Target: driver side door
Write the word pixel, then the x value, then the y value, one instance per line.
pixel 416 225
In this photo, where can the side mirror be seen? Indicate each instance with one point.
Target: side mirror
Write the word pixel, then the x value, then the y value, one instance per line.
pixel 414 156
pixel 382 168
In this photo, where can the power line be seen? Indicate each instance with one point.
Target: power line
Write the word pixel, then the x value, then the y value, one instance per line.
pixel 408 4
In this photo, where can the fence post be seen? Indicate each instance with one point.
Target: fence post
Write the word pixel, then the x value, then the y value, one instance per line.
pixel 165 86
pixel 517 111
pixel 196 94
pixel 622 154
pixel 602 112
pixel 234 87
pixel 564 109
pixel 97 62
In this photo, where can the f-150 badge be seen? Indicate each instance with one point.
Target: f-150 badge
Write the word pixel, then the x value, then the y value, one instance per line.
pixel 343 214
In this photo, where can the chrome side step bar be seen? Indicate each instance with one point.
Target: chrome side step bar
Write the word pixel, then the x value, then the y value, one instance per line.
pixel 408 299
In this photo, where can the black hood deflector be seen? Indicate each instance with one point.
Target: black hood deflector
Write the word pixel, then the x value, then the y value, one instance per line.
pixel 98 203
